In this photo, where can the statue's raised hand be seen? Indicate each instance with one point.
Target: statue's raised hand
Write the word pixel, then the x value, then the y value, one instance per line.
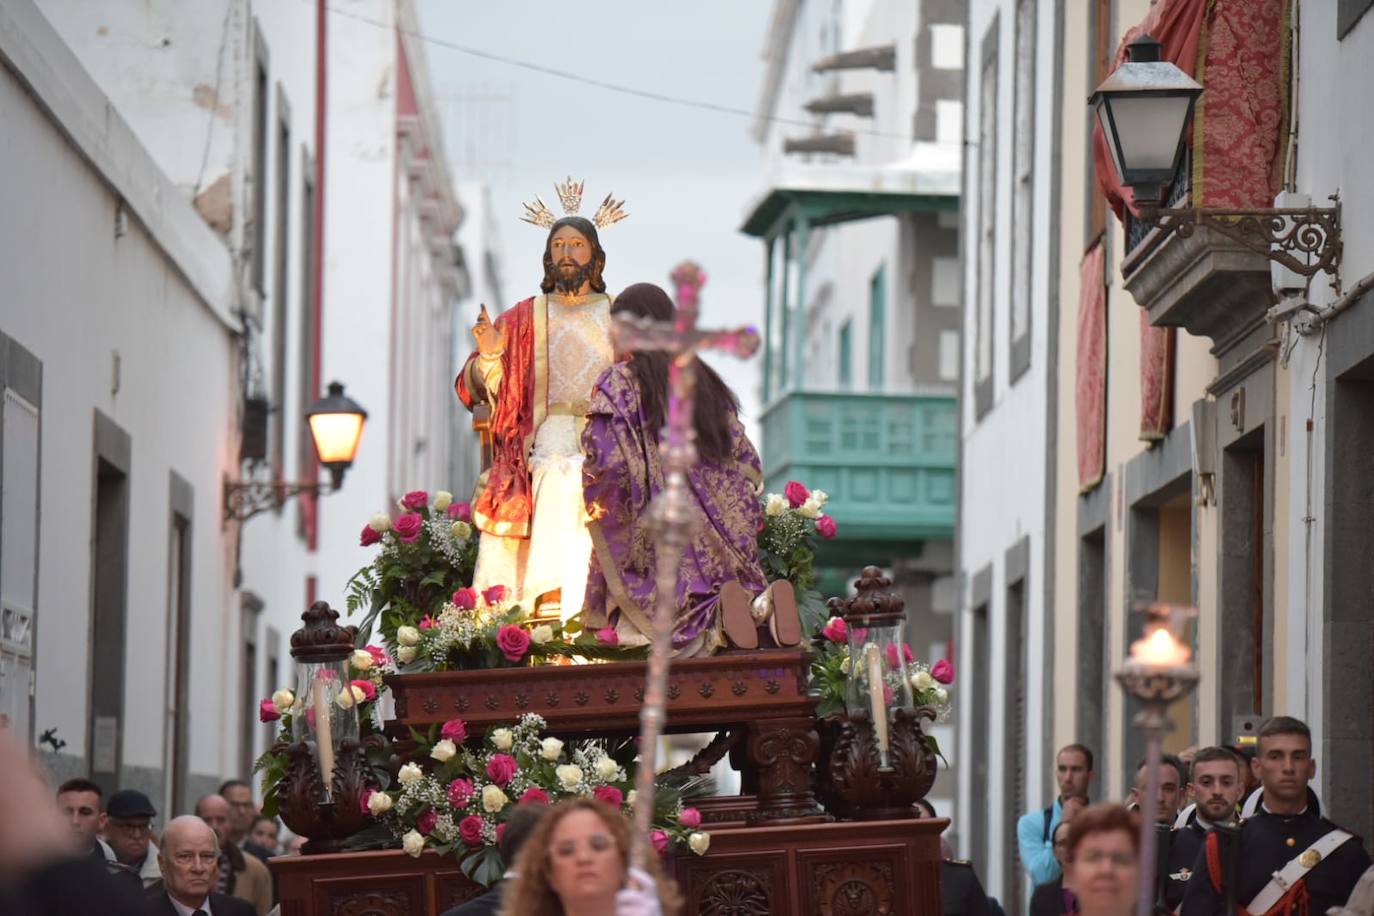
pixel 491 340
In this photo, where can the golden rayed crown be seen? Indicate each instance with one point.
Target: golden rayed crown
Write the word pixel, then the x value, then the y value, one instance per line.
pixel 569 193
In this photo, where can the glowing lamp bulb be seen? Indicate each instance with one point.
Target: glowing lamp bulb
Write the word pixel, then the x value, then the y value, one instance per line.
pixel 1160 650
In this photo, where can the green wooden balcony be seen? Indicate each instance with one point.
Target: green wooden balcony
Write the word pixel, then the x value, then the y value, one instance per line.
pixel 886 460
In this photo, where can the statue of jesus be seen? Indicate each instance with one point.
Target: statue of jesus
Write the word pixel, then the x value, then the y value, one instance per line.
pixel 536 366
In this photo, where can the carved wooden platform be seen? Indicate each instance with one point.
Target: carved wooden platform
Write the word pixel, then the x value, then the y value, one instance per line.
pixel 838 869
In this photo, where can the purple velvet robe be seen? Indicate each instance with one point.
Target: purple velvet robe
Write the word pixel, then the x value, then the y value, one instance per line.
pixel 621 474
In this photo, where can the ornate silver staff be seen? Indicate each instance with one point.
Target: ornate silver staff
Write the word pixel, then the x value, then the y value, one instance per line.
pixel 672 509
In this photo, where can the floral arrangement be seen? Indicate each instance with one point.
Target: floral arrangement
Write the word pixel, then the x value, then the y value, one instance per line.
pixel 792 520
pixel 456 798
pixel 830 674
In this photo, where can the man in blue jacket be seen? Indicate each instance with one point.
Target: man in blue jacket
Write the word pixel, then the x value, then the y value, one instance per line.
pixel 1073 771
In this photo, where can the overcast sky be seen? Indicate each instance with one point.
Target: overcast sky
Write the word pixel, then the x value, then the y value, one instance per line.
pixel 687 175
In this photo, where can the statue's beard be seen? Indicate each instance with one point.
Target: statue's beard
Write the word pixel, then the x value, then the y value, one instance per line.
pixel 569 276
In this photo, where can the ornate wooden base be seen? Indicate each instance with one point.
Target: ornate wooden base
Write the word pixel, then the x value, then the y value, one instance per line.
pixel 301 799
pixel 850 869
pixel 852 787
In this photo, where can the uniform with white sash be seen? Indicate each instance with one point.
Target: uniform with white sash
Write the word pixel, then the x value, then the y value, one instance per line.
pixel 1285 865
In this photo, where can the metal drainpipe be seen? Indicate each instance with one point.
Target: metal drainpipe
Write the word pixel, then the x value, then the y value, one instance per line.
pixel 317 255
pixel 1353 295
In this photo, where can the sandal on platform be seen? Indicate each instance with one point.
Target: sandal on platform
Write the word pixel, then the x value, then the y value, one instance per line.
pixel 736 616
pixel 784 623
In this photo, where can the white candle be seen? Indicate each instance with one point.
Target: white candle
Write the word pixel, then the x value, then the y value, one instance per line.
pixel 324 737
pixel 876 702
pixel 1160 650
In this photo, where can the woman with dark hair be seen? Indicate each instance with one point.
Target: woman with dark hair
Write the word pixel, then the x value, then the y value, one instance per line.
pixel 721 590
pixel 576 863
pixel 1102 860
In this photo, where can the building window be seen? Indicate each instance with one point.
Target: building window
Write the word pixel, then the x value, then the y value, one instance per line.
pixel 280 272
pixel 986 233
pixel 846 371
pixel 949 356
pixel 21 384
pixel 946 46
pixel 109 601
pixel 877 321
pixel 306 380
pixel 944 282
pixel 259 178
pixel 1023 186
pixel 176 724
pixel 248 710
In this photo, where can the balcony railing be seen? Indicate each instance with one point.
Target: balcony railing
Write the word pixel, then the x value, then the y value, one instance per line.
pixel 886 460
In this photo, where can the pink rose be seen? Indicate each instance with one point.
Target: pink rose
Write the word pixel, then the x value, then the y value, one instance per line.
pixel 835 630
pixel 455 730
pixel 362 800
pixel 860 634
pixel 267 711
pixel 465 599
pixel 415 499
pixel 513 641
pixel 460 793
pixel 660 841
pixel 369 536
pixel 607 636
pixel 310 717
pixel 690 817
pixel 494 595
pixel 501 768
pixel 796 494
pixel 887 694
pixel 893 659
pixel 426 622
pixel 470 830
pixel 534 795
pixel 943 671
pixel 407 527
pixel 826 527
pixel 461 512
pixel 610 795
pixel 368 688
pixel 425 822
pixel 500 833
pixel 379 655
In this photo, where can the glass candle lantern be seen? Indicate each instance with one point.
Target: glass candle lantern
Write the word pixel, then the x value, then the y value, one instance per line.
pixel 325 714
pixel 878 657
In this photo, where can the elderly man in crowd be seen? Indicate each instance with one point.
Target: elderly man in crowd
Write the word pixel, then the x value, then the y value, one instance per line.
pixel 129 831
pixel 189 859
pixel 240 875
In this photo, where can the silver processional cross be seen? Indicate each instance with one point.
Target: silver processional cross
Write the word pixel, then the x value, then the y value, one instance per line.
pixel 672 514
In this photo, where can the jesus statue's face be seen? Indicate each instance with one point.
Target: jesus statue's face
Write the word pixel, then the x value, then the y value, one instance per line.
pixel 571 253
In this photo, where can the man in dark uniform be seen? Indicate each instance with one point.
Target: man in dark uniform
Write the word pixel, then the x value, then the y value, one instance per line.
pixel 1217 781
pixel 961 893
pixel 1288 859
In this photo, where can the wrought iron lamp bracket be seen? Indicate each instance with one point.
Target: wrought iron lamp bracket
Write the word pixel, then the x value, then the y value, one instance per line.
pixel 244 499
pixel 1306 240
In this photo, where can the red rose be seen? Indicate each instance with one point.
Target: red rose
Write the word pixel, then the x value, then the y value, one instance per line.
pixel 425 822
pixel 501 768
pixel 610 795
pixel 415 499
pixel 368 688
pixel 660 841
pixel 826 527
pixel 379 656
pixel 887 694
pixel 513 641
pixel 460 512
pixel 470 830
pixel 500 833
pixel 407 527
pixel 362 800
pixel 369 536
pixel 796 494
pixel 267 711
pixel 534 795
pixel 494 595
pixel 460 793
pixel 835 630
pixel 426 622
pixel 455 730
pixel 607 636
pixel 895 660
pixel 690 817
pixel 465 599
pixel 943 671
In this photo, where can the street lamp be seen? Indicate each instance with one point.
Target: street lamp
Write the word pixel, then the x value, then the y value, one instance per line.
pixel 336 427
pixel 1145 107
pixel 1158 671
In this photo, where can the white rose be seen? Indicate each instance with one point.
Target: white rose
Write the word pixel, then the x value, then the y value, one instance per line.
pixel 922 680
pixel 699 842
pixel 413 843
pixel 283 699
pixel 630 799
pixel 775 504
pixel 820 498
pixel 845 665
pixel 346 697
pixel 809 510
pixel 607 768
pixel 379 803
pixel 570 775
pixel 407 636
pixel 941 695
pixel 410 774
pixel 460 530
pixel 362 660
pixel 503 739
pixel 442 499
pixel 380 522
pixel 493 799
pixel 405 655
pixel 541 634
pixel 443 750
pixel 550 749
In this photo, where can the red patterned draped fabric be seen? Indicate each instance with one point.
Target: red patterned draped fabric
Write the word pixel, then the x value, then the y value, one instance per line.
pixel 1090 383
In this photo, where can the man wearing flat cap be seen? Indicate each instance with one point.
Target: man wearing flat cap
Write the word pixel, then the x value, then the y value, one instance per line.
pixel 129 833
